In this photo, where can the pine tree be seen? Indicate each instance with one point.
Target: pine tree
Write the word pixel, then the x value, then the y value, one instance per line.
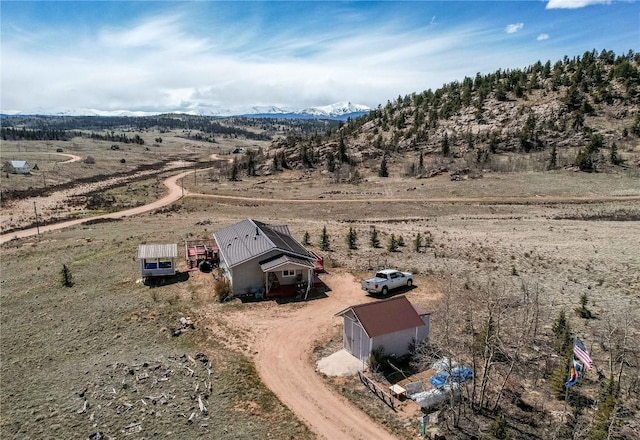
pixel 417 243
pixel 587 157
pixel 306 238
pixel 283 161
pixel 234 172
pixel 325 242
pixel 342 151
pixel 446 150
pixel 607 403
pixel 553 159
pixel 374 240
pixel 66 279
pixel 421 163
pixel 393 244
pixel 615 159
pixel 562 332
pixel 559 377
pixel 331 163
pixel 251 163
pixel 352 239
pixel 383 171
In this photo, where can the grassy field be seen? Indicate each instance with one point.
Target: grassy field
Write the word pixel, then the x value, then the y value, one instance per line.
pixel 107 339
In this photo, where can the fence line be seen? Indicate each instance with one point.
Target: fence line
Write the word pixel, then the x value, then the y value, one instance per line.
pixel 377 390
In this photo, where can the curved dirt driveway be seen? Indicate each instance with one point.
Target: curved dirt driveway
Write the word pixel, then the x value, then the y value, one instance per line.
pixel 284 340
pixel 72 157
pixel 175 193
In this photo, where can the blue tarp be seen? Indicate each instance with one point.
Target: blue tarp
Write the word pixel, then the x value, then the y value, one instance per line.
pixel 440 379
pixel 458 375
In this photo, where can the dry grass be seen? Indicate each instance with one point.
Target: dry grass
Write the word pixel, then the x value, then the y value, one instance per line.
pixel 57 341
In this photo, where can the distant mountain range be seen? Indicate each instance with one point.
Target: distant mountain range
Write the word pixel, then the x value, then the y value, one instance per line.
pixel 340 111
pixel 337 111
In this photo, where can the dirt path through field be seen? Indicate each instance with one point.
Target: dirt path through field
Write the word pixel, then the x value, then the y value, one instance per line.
pixel 526 200
pixel 284 338
pixel 175 193
pixel 72 157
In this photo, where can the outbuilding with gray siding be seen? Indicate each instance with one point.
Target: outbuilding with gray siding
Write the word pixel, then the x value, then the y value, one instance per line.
pixel 393 325
pixel 261 259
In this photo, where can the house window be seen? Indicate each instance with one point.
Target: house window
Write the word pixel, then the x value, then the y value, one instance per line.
pixel 288 273
pixel 164 264
pixel 150 264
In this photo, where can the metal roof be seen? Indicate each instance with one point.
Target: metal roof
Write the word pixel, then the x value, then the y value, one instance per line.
pixel 249 239
pixel 17 163
pixel 157 251
pixel 387 316
pixel 281 260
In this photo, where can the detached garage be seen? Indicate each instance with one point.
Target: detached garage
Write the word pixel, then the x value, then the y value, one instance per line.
pixel 393 324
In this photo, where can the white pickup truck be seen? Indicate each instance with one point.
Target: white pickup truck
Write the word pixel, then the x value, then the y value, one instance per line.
pixel 386 280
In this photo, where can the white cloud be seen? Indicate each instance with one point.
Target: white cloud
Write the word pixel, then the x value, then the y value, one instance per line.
pixel 542 37
pixel 574 4
pixel 163 64
pixel 513 28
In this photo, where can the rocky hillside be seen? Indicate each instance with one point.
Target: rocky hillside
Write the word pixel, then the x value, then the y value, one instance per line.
pixel 584 109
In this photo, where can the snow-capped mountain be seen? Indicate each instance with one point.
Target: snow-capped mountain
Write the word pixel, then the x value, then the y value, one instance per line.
pixel 340 110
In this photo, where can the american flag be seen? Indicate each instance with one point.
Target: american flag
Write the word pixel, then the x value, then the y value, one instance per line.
pixel 580 351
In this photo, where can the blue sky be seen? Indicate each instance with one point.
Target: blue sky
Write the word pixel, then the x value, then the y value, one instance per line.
pixel 212 56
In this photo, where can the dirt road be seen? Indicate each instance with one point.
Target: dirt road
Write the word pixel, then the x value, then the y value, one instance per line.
pixel 284 340
pixel 175 193
pixel 72 157
pixel 526 200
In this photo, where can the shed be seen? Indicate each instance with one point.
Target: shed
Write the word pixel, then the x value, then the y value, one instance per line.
pixel 393 325
pixel 17 167
pixel 157 259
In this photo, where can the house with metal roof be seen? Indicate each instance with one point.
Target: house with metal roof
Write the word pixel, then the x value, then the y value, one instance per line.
pixel 261 259
pixel 17 167
pixel 157 259
pixel 393 325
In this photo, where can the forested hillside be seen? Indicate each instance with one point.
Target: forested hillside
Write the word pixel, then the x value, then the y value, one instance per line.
pixel 585 109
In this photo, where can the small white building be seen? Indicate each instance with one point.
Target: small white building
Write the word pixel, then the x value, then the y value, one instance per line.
pixel 393 324
pixel 157 259
pixel 17 167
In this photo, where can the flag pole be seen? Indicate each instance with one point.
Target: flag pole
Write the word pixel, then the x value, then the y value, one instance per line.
pixel 566 391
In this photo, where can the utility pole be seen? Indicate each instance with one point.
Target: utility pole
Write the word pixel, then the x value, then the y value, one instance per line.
pixel 36 212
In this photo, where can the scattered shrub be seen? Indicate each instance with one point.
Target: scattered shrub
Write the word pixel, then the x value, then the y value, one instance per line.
pixel 66 279
pixel 222 288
